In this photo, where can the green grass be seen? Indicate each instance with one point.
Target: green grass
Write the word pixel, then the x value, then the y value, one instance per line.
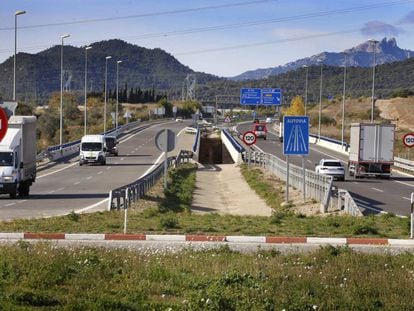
pixel 43 277
pixel 161 216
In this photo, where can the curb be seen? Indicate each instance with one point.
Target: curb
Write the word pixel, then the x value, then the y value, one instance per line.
pixel 205 238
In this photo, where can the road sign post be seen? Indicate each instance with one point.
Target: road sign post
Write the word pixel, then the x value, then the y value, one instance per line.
pixel 295 142
pixel 165 142
pixel 412 216
pixel 249 138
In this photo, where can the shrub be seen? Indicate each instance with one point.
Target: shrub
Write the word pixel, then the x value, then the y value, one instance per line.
pixel 169 221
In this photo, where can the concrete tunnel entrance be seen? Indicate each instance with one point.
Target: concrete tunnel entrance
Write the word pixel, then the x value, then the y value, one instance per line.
pixel 212 150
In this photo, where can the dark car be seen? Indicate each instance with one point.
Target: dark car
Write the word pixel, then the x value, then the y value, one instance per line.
pixel 110 144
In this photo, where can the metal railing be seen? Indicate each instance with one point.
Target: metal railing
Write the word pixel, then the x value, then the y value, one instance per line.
pixel 404 164
pixel 234 142
pixel 122 197
pixel 317 186
pixel 347 203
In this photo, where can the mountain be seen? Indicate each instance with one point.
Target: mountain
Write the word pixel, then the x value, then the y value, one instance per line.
pixel 387 51
pixel 38 75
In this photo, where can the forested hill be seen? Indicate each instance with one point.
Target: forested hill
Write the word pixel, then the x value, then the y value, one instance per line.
pixel 39 74
pixel 390 80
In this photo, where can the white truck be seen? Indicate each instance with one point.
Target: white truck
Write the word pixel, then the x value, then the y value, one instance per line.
pixel 92 150
pixel 371 150
pixel 18 156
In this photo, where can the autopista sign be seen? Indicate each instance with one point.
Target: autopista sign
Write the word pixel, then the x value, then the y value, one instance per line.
pixel 408 140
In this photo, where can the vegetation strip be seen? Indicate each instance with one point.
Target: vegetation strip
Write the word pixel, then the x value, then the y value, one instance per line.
pixel 207 238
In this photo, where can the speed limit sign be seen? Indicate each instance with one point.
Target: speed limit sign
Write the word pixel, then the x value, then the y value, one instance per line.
pixel 249 138
pixel 408 140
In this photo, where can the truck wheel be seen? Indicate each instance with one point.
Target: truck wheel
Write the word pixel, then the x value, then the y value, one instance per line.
pixel 24 189
pixel 13 194
pixel 80 163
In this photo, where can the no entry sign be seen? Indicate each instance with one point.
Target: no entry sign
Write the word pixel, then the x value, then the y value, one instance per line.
pixel 4 123
pixel 408 140
pixel 249 138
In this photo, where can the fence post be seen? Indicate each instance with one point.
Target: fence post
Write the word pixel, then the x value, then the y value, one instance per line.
pixel 110 201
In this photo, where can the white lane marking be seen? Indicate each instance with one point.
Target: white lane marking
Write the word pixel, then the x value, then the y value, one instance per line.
pixel 108 168
pixel 51 192
pixel 355 182
pixel 10 204
pixel 99 173
pixel 403 183
pixel 152 167
pixel 89 177
pixel 122 159
pixel 116 163
pixel 91 206
pixel 405 198
pixel 77 183
pixel 59 170
pixel 60 189
pixel 376 189
pixel 21 201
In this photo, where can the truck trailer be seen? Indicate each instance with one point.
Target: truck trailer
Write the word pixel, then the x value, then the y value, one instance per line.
pixel 18 156
pixel 371 150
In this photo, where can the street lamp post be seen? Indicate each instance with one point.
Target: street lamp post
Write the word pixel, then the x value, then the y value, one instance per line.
pixel 374 43
pixel 306 87
pixel 106 78
pixel 320 105
pixel 17 13
pixel 343 101
pixel 61 91
pixel 117 95
pixel 86 94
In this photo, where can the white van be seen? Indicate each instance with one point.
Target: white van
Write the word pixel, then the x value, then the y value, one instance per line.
pixel 92 150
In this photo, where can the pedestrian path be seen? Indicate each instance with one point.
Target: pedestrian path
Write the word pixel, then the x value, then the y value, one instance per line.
pixel 222 189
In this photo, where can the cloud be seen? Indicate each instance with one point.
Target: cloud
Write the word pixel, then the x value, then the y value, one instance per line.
pixel 407 19
pixel 373 28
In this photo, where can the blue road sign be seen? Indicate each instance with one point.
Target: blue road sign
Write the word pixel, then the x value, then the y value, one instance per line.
pixel 296 135
pixel 271 97
pixel 250 96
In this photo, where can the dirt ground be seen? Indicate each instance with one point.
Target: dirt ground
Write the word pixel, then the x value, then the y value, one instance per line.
pixel 297 205
pixel 399 110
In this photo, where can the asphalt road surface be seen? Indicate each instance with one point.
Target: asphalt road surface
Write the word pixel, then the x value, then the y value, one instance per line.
pixel 372 195
pixel 68 187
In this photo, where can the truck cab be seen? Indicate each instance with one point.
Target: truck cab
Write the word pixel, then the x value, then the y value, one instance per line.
pixel 92 150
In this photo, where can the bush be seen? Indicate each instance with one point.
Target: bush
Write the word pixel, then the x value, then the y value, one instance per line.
pixel 169 221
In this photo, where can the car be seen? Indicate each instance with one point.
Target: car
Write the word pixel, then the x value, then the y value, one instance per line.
pixel 191 130
pixel 269 120
pixel 260 130
pixel 110 145
pixel 179 119
pixel 331 167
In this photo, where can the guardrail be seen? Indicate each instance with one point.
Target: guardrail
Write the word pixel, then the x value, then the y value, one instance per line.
pixel 122 197
pixel 197 141
pixel 233 146
pixel 404 164
pixel 317 186
pixel 347 203
pixel 57 152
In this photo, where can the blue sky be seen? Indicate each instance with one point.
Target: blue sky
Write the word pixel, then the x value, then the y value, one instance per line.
pixel 222 37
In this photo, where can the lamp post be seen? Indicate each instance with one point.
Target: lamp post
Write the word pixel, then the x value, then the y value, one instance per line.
pixel 343 101
pixel 320 105
pixel 106 78
pixel 17 13
pixel 374 43
pixel 61 91
pixel 117 95
pixel 86 94
pixel 306 86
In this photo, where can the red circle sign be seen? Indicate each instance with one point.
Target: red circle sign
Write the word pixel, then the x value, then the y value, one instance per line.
pixel 249 138
pixel 4 123
pixel 408 140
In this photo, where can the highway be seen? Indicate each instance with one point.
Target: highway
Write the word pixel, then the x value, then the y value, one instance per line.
pixel 67 187
pixel 372 195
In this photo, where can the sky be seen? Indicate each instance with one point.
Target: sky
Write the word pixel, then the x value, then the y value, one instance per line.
pixel 220 37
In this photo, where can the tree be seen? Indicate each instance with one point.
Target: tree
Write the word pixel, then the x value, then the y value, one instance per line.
pixel 167 106
pixel 297 108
